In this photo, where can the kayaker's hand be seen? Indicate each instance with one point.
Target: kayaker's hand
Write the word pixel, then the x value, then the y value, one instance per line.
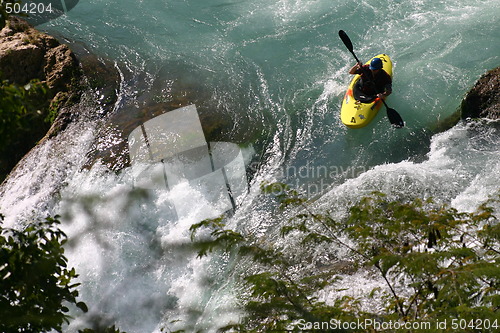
pixel 380 96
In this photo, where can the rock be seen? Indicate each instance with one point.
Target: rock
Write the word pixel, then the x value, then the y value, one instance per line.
pixel 445 124
pixel 483 100
pixel 21 53
pixel 27 54
pixel 61 68
pixel 14 25
pixel 102 77
pixel 19 61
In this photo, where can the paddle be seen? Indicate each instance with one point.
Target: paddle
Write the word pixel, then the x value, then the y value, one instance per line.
pixel 394 117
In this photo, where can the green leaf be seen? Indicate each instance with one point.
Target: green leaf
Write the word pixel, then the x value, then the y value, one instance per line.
pixel 82 306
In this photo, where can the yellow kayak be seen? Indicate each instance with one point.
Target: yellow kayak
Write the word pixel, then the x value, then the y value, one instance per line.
pixel 355 114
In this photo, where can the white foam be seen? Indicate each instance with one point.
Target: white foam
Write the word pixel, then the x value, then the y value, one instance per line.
pixel 31 190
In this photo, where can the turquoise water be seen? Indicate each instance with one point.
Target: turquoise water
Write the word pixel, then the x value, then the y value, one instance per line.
pixel 275 63
pixel 276 72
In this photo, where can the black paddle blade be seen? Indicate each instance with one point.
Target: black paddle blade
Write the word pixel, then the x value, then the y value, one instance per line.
pixel 395 118
pixel 347 43
pixel 346 40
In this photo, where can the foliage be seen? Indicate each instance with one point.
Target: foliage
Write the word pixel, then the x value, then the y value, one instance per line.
pixel 281 291
pixel 23 120
pixel 450 259
pixel 35 285
pixel 438 264
pixel 18 108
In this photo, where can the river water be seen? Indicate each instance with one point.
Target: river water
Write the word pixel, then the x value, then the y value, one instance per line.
pixel 273 73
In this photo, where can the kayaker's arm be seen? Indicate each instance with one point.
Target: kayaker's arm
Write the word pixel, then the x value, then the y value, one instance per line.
pixel 356 68
pixel 386 93
pixel 387 90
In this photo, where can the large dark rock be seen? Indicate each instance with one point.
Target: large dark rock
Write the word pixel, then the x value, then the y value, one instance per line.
pixel 483 100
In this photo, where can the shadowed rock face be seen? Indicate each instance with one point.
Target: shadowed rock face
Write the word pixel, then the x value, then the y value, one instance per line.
pixel 483 100
pixel 27 54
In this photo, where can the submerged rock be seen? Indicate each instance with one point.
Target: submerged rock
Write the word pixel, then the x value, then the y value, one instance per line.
pixel 102 76
pixel 483 100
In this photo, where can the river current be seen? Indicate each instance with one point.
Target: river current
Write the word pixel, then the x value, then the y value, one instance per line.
pixel 272 74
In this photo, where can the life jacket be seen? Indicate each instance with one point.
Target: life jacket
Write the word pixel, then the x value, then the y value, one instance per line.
pixel 371 85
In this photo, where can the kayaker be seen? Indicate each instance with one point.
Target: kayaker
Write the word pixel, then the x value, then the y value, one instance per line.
pixel 374 80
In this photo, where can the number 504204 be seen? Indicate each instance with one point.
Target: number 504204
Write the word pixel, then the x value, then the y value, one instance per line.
pixel 27 8
pixel 475 324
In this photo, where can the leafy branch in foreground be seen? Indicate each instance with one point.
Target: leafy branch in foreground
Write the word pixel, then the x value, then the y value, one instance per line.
pixel 19 106
pixel 280 289
pixel 448 259
pixel 34 279
pixel 36 285
pixel 24 120
pixel 437 264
